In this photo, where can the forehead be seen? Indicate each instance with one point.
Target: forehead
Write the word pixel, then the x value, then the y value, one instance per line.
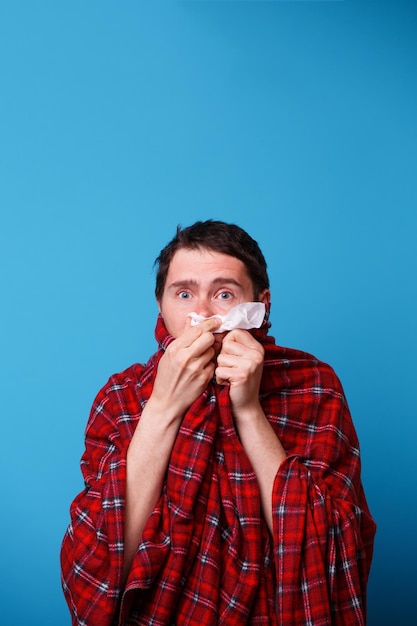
pixel 205 264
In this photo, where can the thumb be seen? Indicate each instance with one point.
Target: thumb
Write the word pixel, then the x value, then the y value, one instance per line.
pixel 188 323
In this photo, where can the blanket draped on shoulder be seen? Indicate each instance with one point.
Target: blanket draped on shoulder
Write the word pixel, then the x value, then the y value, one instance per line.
pixel 206 555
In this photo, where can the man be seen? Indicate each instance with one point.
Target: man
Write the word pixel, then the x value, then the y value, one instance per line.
pixel 222 477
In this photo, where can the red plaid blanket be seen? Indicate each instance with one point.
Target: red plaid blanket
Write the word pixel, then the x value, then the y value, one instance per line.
pixel 206 556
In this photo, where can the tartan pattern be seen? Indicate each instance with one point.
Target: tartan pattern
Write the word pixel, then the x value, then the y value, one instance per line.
pixel 206 555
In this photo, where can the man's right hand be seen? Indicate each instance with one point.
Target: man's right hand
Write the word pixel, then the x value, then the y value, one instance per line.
pixel 185 369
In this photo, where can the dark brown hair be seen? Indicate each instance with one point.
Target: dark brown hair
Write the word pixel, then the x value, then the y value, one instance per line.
pixel 219 237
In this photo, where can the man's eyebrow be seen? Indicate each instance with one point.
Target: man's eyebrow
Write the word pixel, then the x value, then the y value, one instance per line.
pixel 226 280
pixel 186 282
pixel 190 282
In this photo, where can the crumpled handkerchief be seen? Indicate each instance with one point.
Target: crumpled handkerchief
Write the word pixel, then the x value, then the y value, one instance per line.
pixel 245 315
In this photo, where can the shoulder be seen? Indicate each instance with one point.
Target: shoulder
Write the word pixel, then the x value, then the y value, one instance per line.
pixel 132 378
pixel 120 381
pixel 297 368
pixel 124 394
pixel 305 401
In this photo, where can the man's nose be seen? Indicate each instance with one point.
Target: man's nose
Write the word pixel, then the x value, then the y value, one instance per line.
pixel 205 307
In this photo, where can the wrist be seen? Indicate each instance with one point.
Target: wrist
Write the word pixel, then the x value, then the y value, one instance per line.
pixel 160 416
pixel 249 415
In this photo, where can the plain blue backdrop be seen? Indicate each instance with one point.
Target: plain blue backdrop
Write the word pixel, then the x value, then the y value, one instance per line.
pixel 119 120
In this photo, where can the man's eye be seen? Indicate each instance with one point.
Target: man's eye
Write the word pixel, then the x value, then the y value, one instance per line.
pixel 183 295
pixel 225 295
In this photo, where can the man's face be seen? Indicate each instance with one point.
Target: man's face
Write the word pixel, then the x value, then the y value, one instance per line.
pixel 206 282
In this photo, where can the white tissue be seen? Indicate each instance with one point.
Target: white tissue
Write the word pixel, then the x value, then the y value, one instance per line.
pixel 245 315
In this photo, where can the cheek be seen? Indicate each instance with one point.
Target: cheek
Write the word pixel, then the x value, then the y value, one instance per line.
pixel 174 321
pixel 172 326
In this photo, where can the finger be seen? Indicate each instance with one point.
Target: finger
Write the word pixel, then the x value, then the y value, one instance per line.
pixel 229 360
pixel 209 325
pixel 234 347
pixel 193 344
pixel 221 378
pixel 244 337
pixel 188 322
pixel 228 375
pixel 238 341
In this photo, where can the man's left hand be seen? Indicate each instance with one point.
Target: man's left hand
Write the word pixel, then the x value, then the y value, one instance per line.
pixel 240 363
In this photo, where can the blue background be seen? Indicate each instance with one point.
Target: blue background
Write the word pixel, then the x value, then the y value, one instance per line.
pixel 297 120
